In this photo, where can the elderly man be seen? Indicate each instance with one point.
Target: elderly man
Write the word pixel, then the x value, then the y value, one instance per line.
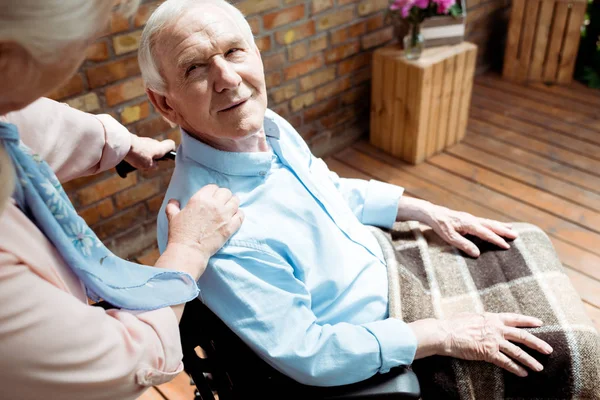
pixel 304 281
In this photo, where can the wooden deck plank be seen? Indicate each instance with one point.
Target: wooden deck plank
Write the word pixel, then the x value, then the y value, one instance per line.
pixel 152 394
pixel 548 184
pixel 531 92
pixel 535 162
pixel 552 113
pixel 574 91
pixel 492 117
pixel 177 389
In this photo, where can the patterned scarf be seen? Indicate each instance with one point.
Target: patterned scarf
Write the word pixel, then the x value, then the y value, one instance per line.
pixel 124 284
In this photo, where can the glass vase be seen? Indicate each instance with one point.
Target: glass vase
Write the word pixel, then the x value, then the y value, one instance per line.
pixel 414 43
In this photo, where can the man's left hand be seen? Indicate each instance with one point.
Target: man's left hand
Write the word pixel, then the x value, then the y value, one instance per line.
pixel 145 151
pixel 451 225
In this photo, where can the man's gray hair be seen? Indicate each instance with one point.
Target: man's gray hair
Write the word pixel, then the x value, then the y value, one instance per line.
pixel 46 27
pixel 167 12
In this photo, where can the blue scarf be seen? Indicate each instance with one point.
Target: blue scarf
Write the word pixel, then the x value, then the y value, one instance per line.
pixel 124 284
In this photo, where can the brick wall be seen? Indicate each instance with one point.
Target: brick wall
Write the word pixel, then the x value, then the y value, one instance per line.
pixel 317 61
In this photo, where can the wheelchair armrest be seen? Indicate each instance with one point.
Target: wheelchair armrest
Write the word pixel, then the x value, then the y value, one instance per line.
pixel 399 383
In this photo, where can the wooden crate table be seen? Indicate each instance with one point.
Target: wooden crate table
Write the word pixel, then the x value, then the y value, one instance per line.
pixel 420 107
pixel 543 40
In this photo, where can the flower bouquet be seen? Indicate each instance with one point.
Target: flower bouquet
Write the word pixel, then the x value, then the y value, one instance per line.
pixel 417 13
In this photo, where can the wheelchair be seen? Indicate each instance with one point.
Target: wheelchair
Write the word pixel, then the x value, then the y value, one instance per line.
pixel 232 370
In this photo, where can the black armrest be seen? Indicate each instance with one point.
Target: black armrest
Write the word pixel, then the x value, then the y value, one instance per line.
pixel 399 383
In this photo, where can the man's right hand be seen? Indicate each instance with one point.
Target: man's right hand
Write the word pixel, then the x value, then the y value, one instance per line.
pixel 209 219
pixel 484 337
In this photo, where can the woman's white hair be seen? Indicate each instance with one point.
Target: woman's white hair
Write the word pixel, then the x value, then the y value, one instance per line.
pixel 44 27
pixel 168 12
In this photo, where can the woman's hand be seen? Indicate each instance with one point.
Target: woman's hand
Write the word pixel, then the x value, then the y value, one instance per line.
pixel 145 151
pixel 484 337
pixel 451 225
pixel 198 231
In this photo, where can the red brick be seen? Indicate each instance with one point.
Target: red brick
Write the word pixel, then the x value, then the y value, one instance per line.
pixel 124 91
pixel 254 23
pixel 319 110
pixel 88 102
pixel 354 63
pixel 274 61
pixel 338 118
pixel 98 211
pixel 321 5
pixel 317 78
pixel 274 79
pixel 350 32
pixel 113 71
pixel 303 67
pixel 127 42
pixel 367 7
pixel 79 183
pixel 296 33
pixel 297 51
pixel 283 93
pixel 361 76
pixel 333 88
pixel 341 52
pixel 344 2
pixel 118 23
pixel 105 188
pixel 149 257
pixel 356 95
pixel 308 131
pixel 121 222
pixel 335 18
pixel 375 23
pixel 378 38
pixel 302 101
pixel 318 43
pixel 144 12
pixel 283 17
pixel 137 194
pixel 97 52
pixel 281 109
pixel 264 43
pixel 72 87
pixel 152 127
pixel 155 203
pixel 249 7
pixel 135 112
pixel 295 121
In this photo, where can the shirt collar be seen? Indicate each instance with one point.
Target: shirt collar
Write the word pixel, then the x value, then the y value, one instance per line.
pixel 230 163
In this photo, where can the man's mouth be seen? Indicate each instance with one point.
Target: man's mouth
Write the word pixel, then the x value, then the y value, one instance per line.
pixel 232 106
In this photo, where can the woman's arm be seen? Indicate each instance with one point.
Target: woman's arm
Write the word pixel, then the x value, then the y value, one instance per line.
pixel 55 346
pixel 73 142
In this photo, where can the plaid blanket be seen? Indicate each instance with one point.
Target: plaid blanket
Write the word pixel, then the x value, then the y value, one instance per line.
pixel 427 278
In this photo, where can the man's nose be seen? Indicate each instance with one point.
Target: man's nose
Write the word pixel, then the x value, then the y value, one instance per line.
pixel 226 76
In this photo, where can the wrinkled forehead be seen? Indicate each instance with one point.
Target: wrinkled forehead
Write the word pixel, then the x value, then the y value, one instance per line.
pixel 197 26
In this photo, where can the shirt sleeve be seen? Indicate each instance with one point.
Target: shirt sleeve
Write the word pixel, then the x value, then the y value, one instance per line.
pixel 256 294
pixel 54 346
pixel 74 143
pixel 373 202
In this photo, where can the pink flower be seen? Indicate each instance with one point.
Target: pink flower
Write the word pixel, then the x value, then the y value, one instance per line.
pixel 406 5
pixel 422 4
pixel 444 5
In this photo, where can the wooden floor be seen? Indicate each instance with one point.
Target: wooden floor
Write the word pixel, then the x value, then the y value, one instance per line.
pixel 531 154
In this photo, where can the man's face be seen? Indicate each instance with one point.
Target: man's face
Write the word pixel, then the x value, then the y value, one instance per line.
pixel 215 78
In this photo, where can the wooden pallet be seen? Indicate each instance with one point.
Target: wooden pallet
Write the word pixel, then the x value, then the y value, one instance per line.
pixel 420 107
pixel 543 40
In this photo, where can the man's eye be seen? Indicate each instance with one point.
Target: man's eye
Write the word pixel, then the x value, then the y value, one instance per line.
pixel 233 51
pixel 192 68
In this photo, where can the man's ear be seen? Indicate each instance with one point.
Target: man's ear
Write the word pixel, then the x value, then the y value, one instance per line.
pixel 161 103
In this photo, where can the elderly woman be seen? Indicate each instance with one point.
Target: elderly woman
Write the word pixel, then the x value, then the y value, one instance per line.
pixel 53 344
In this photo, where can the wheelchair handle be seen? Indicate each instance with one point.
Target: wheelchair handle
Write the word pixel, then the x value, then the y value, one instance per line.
pixel 123 168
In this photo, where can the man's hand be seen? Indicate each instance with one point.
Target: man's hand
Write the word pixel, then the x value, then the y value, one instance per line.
pixel 483 337
pixel 452 225
pixel 144 151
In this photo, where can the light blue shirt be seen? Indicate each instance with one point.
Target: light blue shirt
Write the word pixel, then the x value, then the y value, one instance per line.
pixel 303 282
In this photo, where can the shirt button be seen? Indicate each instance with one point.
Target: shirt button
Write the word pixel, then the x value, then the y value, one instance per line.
pixel 262 173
